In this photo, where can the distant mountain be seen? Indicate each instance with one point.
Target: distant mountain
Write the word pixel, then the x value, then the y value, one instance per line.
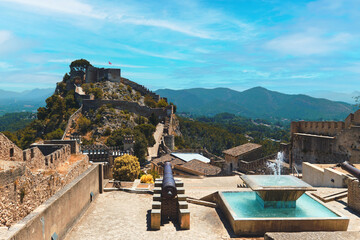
pixel 256 102
pixel 335 96
pixel 29 100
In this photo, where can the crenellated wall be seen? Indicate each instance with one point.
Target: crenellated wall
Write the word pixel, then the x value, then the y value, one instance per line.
pixel 330 128
pixel 326 142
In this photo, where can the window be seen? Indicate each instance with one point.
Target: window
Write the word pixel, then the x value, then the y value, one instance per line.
pixel 11 152
pixel 32 153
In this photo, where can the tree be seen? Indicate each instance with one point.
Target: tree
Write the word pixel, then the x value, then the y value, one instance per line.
pixel 126 168
pixel 149 101
pixel 79 65
pixel 57 134
pixel 162 103
pixel 84 124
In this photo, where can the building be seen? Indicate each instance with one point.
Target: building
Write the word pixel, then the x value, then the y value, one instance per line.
pixel 247 152
pixel 94 74
pixel 191 164
pixel 325 142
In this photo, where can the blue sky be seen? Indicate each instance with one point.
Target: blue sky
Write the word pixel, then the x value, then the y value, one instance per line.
pixel 287 46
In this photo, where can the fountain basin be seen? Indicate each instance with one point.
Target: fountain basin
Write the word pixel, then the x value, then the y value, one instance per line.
pixel 247 217
pixel 277 191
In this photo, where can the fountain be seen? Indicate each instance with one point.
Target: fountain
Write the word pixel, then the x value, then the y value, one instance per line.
pixel 276 167
pixel 278 203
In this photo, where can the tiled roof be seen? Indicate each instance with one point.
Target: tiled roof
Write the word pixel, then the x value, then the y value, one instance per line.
pixel 240 150
pixel 199 166
pixel 168 158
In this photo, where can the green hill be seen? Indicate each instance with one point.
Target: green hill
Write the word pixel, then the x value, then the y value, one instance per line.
pixel 256 102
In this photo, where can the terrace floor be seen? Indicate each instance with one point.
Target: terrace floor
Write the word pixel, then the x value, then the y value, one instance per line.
pixel 121 215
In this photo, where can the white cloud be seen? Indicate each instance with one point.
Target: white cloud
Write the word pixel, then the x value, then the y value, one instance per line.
pixel 64 6
pixel 308 43
pixel 172 55
pixel 170 25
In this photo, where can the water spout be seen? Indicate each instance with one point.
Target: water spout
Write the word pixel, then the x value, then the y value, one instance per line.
pixel 276 167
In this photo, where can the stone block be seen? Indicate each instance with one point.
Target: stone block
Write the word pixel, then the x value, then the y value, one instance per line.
pixel 158 184
pixel 157 197
pixel 183 205
pixel 179 183
pixel 157 190
pixel 182 197
pixel 184 218
pixel 155 219
pixel 180 190
pixel 156 205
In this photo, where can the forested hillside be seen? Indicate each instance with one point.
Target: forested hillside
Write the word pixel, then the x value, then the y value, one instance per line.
pixel 225 131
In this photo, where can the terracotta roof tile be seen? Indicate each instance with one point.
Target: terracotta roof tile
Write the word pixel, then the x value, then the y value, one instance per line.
pixel 240 150
pixel 202 167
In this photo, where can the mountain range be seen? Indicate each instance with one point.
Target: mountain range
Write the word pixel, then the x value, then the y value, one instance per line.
pixel 257 102
pixel 29 100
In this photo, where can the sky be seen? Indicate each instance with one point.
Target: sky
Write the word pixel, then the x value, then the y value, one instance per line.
pixel 287 46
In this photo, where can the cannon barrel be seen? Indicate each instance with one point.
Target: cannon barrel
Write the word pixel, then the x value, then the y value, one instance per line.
pixel 168 190
pixel 350 169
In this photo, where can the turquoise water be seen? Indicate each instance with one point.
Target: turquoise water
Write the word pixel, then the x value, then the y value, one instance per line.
pixel 276 181
pixel 244 205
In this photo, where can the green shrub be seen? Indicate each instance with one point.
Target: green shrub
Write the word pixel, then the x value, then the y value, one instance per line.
pixel 162 103
pixel 84 124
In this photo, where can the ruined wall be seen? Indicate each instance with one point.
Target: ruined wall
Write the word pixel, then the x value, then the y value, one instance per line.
pixel 330 128
pixel 74 146
pixel 354 195
pixel 61 211
pixel 10 171
pixel 61 155
pixel 8 150
pixel 125 105
pixel 34 158
pixel 31 189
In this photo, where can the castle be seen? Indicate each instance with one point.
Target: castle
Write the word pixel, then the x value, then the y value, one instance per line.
pixel 325 142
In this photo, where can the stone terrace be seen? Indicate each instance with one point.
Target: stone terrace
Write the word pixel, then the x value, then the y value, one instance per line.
pixel 121 215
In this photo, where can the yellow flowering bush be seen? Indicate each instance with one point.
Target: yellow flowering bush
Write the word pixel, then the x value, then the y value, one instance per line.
pixel 148 178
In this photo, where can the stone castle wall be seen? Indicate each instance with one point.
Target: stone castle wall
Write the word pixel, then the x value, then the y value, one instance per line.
pixel 34 158
pixel 330 128
pixel 30 189
pixel 8 150
pixel 326 142
pixel 94 74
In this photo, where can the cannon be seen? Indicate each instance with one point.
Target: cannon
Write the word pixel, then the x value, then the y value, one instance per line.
pixel 168 190
pixel 350 169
